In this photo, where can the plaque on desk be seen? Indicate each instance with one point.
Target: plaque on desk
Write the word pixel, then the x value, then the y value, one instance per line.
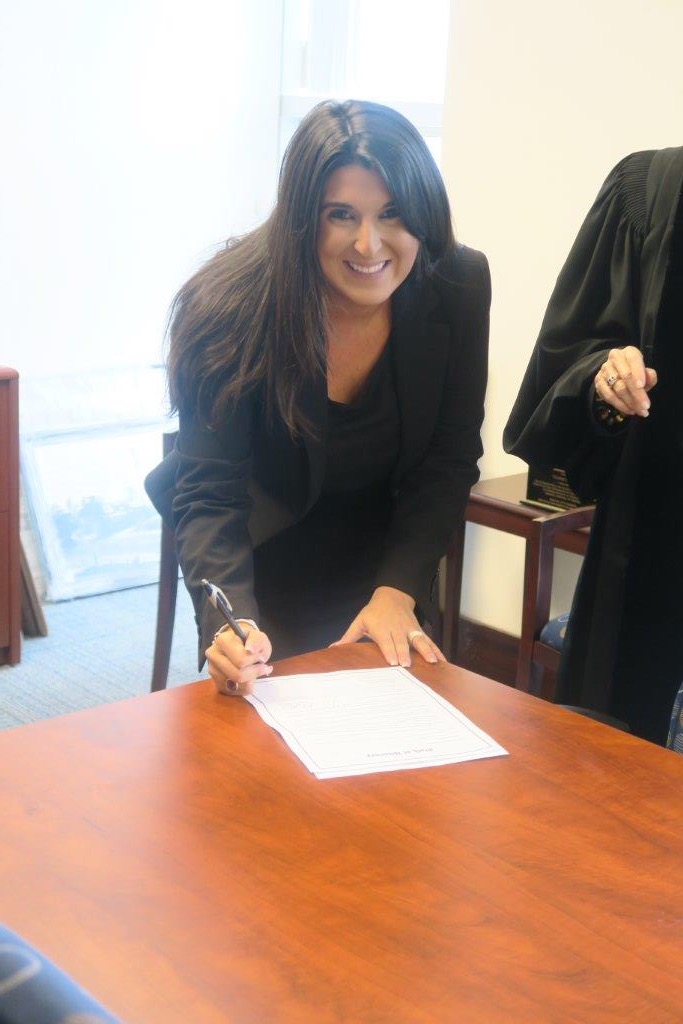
pixel 549 489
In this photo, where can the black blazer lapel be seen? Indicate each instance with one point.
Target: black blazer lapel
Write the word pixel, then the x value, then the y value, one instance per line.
pixel 420 355
pixel 314 407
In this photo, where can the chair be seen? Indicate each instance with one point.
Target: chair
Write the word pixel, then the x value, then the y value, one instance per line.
pixel 33 990
pixel 543 534
pixel 542 639
pixel 540 643
pixel 675 739
pixel 168 590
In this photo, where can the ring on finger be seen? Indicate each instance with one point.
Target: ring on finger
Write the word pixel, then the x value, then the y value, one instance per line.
pixel 414 634
pixel 611 380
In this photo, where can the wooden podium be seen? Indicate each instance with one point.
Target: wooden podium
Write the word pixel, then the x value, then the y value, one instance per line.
pixel 10 547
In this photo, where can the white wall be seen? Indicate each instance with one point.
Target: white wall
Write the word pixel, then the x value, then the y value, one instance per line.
pixel 136 135
pixel 542 100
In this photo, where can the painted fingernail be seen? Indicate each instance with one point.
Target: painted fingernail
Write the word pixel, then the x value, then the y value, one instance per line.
pixel 232 685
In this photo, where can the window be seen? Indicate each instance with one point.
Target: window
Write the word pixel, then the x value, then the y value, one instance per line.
pixel 389 51
pixel 161 132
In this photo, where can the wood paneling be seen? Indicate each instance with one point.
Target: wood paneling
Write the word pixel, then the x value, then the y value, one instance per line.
pixel 4 585
pixel 10 566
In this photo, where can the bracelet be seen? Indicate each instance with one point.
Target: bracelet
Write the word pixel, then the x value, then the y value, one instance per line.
pixel 226 626
pixel 607 416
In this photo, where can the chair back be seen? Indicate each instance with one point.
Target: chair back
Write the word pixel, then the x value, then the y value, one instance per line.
pixel 675 740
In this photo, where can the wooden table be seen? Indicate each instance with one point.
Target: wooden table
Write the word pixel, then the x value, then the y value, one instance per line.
pixel 173 856
pixel 497 503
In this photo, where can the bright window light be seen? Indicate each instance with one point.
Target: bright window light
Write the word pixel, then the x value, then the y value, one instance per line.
pixel 389 51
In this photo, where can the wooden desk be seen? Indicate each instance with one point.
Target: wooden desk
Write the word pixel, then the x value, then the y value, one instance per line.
pixel 497 503
pixel 174 857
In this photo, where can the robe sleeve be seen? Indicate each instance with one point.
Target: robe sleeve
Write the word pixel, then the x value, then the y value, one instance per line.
pixel 593 308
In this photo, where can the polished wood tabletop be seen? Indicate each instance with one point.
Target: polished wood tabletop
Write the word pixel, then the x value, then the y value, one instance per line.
pixel 176 859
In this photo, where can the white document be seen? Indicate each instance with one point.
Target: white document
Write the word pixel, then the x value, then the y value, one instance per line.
pixel 368 720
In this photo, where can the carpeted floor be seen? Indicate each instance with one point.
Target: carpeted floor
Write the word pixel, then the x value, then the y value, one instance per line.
pixel 99 649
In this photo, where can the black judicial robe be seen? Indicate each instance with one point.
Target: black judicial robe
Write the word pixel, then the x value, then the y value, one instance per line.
pixel 622 285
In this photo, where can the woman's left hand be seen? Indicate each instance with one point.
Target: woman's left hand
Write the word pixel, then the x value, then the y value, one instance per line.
pixel 389 619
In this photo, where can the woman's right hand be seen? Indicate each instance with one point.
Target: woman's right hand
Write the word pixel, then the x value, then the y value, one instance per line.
pixel 623 381
pixel 235 666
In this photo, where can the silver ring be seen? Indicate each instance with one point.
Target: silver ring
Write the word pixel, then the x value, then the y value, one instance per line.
pixel 414 635
pixel 611 380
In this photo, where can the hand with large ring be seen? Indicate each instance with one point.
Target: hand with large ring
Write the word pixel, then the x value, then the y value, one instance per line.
pixel 235 666
pixel 623 381
pixel 389 619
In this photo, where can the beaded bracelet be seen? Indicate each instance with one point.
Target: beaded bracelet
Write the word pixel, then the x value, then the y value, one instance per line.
pixel 607 416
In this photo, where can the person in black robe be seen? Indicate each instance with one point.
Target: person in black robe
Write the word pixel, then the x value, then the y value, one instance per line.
pixel 600 398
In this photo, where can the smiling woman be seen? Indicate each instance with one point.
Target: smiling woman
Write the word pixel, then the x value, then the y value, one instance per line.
pixel 365 253
pixel 365 250
pixel 329 371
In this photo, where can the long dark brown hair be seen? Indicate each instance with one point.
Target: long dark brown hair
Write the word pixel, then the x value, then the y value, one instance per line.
pixel 255 313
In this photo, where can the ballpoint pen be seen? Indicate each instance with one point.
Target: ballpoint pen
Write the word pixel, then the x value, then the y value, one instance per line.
pixel 221 604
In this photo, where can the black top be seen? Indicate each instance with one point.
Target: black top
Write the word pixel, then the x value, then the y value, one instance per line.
pixel 312 579
pixel 363 435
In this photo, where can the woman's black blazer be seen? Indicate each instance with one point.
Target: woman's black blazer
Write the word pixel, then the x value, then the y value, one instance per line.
pixel 226 490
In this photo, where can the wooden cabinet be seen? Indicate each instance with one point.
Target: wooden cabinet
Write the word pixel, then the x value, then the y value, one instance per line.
pixel 10 549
